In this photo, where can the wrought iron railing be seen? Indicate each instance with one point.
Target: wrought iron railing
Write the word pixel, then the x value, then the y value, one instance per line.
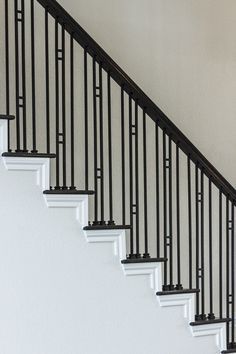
pixel 70 98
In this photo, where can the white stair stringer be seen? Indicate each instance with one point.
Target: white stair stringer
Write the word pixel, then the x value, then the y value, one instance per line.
pixel 114 236
pixel 3 135
pixel 186 300
pixel 152 269
pixel 212 329
pixel 77 201
pixel 40 165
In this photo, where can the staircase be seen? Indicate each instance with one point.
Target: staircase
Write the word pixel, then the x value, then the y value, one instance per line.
pixel 98 144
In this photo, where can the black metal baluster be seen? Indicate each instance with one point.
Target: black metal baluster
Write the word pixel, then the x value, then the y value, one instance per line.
pixel 146 253
pixel 18 128
pixel 86 117
pixel 23 97
pixel 47 91
pixel 190 225
pixel 102 221
pixel 198 270
pixel 131 177
pixel 57 106
pixel 137 180
pixel 227 268
pixel 203 315
pixel 7 57
pixel 72 187
pixel 157 189
pixel 178 285
pixel 220 257
pixel 63 106
pixel 7 82
pixel 171 285
pixel 211 315
pixel 165 286
pixel 111 221
pixel 232 278
pixel 230 273
pixel 34 150
pixel 20 88
pixel 95 142
pixel 123 156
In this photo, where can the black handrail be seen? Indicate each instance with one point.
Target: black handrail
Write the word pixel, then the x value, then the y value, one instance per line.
pixel 129 86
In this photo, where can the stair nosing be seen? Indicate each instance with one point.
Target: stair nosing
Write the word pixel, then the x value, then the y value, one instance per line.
pixel 68 191
pixel 228 351
pixel 206 322
pixel 28 154
pixel 175 292
pixel 106 227
pixel 143 260
pixel 7 116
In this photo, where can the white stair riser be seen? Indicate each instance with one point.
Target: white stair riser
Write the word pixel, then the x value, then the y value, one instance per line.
pixel 77 201
pixel 116 237
pixel 215 329
pixel 3 135
pixel 40 165
pixel 153 270
pixel 187 301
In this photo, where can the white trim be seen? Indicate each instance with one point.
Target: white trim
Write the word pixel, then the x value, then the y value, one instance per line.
pixel 187 301
pixel 78 201
pixel 115 236
pixel 41 165
pixel 216 329
pixel 152 269
pixel 3 135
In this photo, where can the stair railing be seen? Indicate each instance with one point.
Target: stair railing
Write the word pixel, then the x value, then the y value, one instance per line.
pixel 70 98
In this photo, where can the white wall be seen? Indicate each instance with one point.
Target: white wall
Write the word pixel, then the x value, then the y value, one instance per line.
pixel 183 54
pixel 60 295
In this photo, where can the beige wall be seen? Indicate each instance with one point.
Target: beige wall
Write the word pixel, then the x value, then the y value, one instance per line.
pixel 183 54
